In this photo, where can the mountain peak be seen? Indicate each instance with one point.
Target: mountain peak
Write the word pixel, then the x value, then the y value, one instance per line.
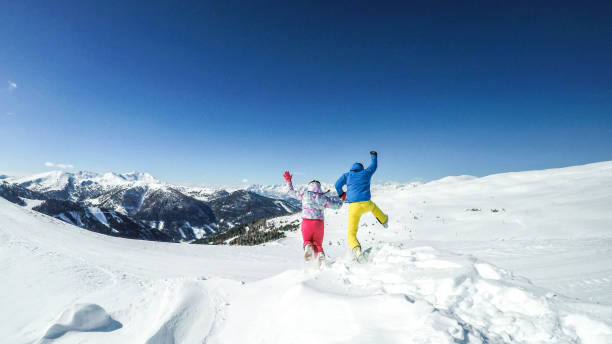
pixel 139 177
pixel 57 180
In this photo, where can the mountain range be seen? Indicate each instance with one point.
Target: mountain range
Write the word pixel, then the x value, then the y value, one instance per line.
pixel 137 205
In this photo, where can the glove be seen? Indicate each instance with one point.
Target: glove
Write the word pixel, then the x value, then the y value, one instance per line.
pixel 343 196
pixel 287 176
pixel 373 153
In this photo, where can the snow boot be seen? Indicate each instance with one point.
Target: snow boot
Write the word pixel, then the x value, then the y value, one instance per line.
pixel 386 224
pixel 356 253
pixel 321 256
pixel 362 256
pixel 308 252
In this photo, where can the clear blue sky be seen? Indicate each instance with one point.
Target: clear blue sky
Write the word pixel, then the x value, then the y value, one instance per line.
pixel 214 93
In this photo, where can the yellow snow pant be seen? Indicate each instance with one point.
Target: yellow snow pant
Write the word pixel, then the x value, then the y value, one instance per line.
pixel 355 211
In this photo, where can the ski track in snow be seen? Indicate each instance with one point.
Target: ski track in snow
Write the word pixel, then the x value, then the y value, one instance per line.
pixel 66 285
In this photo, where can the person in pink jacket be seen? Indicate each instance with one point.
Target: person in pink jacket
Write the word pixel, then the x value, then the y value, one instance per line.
pixel 314 202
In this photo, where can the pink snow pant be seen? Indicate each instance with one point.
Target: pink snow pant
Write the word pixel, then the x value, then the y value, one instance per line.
pixel 312 232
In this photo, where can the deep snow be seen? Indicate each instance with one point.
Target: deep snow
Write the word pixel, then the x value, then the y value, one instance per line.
pixel 511 258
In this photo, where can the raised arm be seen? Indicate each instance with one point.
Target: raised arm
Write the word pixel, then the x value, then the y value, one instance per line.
pixel 290 189
pixel 374 164
pixel 340 183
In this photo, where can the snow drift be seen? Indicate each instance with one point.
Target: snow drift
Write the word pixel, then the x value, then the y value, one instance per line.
pixel 82 318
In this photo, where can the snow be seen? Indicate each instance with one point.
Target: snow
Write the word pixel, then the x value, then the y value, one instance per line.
pixel 32 203
pixel 284 206
pixel 63 217
pixel 58 180
pixel 142 198
pixel 48 181
pixel 278 190
pixel 405 295
pixel 202 193
pixel 139 177
pixel 98 214
pixel 83 318
pixel 571 202
pixel 539 270
pixel 198 232
pixel 113 179
pixel 77 217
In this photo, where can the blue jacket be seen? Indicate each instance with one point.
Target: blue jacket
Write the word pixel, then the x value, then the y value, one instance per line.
pixel 357 182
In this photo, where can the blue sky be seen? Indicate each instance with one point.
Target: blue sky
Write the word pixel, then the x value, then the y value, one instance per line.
pixel 214 93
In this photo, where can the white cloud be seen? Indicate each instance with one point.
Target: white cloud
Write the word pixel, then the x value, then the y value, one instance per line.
pixel 11 85
pixel 62 166
pixel 245 180
pixel 10 113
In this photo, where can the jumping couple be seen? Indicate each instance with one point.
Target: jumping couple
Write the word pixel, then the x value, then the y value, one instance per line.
pixel 314 202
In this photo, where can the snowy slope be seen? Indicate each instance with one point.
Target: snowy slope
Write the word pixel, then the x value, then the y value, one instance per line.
pixel 54 180
pixel 67 285
pixel 49 266
pixel 571 202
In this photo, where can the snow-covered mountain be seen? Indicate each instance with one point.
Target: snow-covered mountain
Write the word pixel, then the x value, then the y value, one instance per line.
pixel 17 194
pixel 280 190
pixel 273 191
pixel 243 206
pixel 519 257
pixel 182 213
pixel 205 194
pixel 78 186
pixel 102 221
pixel 57 180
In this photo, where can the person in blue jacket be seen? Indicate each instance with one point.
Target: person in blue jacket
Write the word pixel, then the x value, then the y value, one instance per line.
pixel 357 182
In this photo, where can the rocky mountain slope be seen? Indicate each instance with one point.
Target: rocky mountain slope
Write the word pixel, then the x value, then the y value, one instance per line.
pixel 104 221
pixel 16 193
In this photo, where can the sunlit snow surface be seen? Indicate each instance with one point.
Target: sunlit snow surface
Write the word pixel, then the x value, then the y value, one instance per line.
pixel 510 258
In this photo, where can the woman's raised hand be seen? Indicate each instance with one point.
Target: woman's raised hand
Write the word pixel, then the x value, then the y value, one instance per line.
pixel 287 176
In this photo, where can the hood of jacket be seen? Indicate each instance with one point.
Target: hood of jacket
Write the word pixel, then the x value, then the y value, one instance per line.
pixel 357 167
pixel 314 187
